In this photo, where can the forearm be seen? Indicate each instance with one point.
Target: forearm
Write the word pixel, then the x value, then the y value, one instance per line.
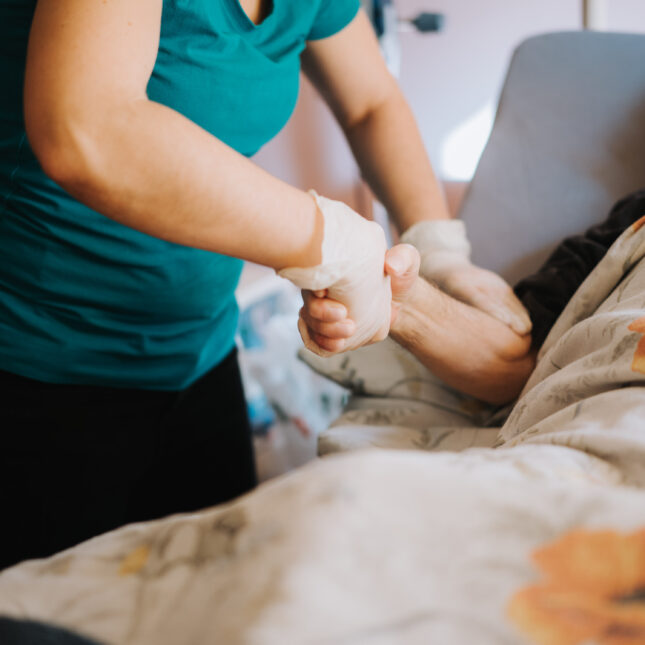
pixel 349 71
pixel 389 150
pixel 150 168
pixel 465 347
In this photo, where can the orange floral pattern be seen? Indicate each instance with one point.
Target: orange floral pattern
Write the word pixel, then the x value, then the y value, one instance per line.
pixel 593 591
pixel 638 362
pixel 638 224
pixel 134 561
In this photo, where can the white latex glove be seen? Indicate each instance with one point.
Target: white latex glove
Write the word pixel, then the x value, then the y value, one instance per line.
pixel 445 260
pixel 352 271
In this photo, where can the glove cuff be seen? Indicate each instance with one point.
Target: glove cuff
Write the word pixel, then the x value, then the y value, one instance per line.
pixel 333 265
pixel 442 245
pixel 438 235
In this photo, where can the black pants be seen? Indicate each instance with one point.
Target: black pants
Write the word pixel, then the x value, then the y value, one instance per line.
pixel 27 632
pixel 76 461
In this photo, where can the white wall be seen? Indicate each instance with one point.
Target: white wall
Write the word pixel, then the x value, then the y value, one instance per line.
pixel 626 15
pixel 451 79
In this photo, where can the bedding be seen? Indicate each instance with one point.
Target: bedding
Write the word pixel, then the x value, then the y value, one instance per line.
pixel 529 534
pixel 376 547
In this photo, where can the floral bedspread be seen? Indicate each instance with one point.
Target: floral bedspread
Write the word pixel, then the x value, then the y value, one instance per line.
pixel 532 533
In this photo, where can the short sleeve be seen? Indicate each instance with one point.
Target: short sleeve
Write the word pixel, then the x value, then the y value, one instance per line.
pixel 332 16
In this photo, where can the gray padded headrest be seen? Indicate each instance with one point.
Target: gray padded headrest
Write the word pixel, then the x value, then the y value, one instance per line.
pixel 568 141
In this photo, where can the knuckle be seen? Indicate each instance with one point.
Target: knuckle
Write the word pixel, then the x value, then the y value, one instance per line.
pixel 317 309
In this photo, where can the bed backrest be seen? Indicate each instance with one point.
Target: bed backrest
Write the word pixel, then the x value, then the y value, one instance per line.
pixel 568 141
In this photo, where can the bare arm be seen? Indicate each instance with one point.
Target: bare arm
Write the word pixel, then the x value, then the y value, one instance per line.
pixel 464 346
pixel 350 73
pixel 95 133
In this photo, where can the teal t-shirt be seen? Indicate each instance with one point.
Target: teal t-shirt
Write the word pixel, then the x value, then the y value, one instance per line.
pixel 84 299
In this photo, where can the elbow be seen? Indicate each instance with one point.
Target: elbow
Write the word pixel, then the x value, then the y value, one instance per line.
pixel 63 147
pixel 500 393
pixel 389 97
pixel 59 165
pixel 505 383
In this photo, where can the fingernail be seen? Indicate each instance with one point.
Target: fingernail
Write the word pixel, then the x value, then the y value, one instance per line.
pixel 522 326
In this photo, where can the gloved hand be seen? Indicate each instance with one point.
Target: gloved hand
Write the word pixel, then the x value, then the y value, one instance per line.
pixel 326 319
pixel 445 260
pixel 351 272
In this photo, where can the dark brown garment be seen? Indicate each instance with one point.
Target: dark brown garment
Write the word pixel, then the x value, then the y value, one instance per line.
pixel 546 293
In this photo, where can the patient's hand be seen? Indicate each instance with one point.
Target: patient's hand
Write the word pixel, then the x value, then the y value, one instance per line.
pixel 327 320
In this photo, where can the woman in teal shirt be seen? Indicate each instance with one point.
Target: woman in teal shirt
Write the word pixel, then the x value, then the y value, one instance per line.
pixel 127 202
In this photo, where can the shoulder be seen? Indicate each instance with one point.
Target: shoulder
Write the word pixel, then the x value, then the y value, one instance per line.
pixel 330 16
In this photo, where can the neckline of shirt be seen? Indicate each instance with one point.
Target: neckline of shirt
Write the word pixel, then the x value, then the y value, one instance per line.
pixel 243 19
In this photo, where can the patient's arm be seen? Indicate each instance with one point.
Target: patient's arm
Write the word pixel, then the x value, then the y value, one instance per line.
pixel 465 347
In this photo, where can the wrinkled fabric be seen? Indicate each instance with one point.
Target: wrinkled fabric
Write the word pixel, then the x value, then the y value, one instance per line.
pixel 587 390
pixel 373 549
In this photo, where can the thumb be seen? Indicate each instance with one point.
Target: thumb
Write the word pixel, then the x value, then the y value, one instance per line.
pixel 402 265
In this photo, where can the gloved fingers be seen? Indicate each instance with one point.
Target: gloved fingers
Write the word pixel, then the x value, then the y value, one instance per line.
pixel 322 308
pixel 488 292
pixel 319 344
pixel 501 307
pixel 500 302
pixel 330 345
pixel 341 329
pixel 520 321
pixel 326 339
